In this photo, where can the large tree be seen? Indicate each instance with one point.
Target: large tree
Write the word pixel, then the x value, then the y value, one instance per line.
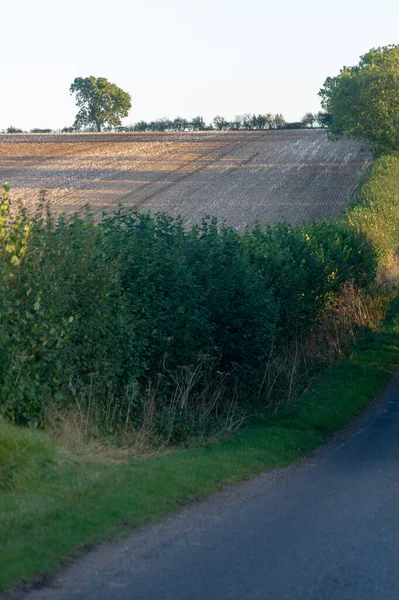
pixel 100 102
pixel 364 100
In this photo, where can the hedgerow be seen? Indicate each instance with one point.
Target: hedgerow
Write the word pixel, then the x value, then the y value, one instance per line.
pixel 139 302
pixel 376 208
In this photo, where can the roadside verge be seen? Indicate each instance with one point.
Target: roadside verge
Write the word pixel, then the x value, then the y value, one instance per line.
pixel 58 507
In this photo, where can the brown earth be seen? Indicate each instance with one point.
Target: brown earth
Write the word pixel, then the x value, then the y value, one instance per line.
pixel 240 177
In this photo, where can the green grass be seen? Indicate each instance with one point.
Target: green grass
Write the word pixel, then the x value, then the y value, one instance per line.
pixel 52 507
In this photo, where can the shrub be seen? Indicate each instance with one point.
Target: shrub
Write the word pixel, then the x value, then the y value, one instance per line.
pixel 151 321
pixel 38 130
pixel 375 211
pixel 305 268
pixel 13 129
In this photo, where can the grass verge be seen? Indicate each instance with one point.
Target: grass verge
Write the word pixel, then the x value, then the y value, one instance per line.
pixel 53 506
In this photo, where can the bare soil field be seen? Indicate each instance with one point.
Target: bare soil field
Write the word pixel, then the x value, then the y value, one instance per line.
pixel 241 177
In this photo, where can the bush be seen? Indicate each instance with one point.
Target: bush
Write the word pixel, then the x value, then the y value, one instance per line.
pixel 185 320
pixel 375 211
pixel 13 129
pixel 294 125
pixel 38 130
pixel 305 268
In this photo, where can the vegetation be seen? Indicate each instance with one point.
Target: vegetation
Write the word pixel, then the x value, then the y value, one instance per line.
pixel 100 102
pixel 147 325
pixel 150 321
pixel 12 129
pixel 376 210
pixel 67 500
pixel 247 122
pixel 38 130
pixel 320 119
pixel 137 330
pixel 363 100
pixel 142 324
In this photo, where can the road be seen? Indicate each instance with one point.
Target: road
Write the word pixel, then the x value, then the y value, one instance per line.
pixel 324 529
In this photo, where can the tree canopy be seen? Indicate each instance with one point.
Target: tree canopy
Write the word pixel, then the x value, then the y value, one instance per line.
pixel 364 100
pixel 101 103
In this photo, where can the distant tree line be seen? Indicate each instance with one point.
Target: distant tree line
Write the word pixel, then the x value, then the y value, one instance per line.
pixel 240 122
pixel 249 121
pixel 219 123
pixel 13 129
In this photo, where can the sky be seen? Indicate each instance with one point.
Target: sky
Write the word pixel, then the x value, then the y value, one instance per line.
pixel 182 57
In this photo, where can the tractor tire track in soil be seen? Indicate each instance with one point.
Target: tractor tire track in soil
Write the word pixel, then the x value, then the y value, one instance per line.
pixel 241 177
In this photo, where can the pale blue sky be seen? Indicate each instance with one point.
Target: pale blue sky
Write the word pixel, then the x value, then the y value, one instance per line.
pixel 179 57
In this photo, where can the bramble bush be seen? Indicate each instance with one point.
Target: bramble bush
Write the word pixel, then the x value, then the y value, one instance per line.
pixel 139 302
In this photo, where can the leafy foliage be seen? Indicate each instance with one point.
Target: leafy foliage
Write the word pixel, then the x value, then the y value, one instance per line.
pixel 138 302
pixel 240 122
pixel 309 119
pixel 305 267
pixel 12 129
pixel 100 102
pixel 376 209
pixel 363 100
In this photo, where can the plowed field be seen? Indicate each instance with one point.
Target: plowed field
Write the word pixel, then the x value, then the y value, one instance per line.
pixel 241 177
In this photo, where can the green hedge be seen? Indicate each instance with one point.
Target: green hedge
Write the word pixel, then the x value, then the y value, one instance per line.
pixel 111 306
pixel 376 208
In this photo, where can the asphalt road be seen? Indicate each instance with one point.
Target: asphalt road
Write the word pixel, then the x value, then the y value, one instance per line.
pixel 327 528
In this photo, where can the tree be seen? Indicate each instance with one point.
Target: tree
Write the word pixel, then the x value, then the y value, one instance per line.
pixel 309 119
pixel 324 119
pixel 259 122
pixel 247 121
pixel 160 124
pixel 364 100
pixel 13 129
pixel 198 124
pixel 220 123
pixel 278 121
pixel 141 126
pixel 100 102
pixel 269 121
pixel 180 124
pixel 236 124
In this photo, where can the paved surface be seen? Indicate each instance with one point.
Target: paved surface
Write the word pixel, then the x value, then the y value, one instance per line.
pixel 241 177
pixel 326 528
